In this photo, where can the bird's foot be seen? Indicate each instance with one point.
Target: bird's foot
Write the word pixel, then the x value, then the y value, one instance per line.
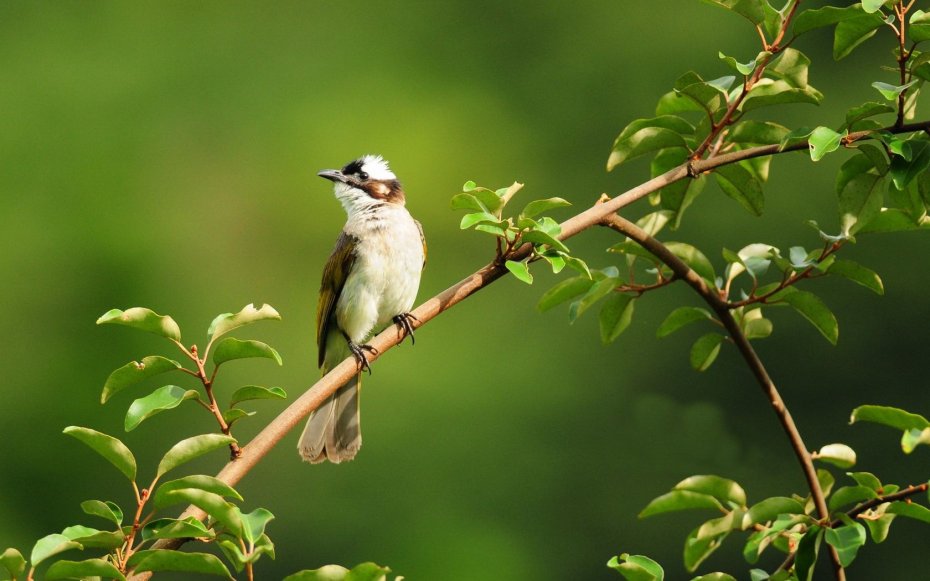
pixel 359 352
pixel 403 320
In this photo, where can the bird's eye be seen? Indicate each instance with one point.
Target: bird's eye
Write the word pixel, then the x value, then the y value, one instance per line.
pixel 363 175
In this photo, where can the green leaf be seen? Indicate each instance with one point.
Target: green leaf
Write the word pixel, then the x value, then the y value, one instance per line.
pixel 792 67
pixel 109 447
pixel 723 489
pixel 860 201
pixel 250 392
pixel 520 270
pixel 755 326
pixel 824 140
pixel 615 316
pixel 769 92
pixel 866 479
pixel 846 540
pixel 840 455
pixel 647 135
pixel 680 317
pixel 49 546
pixel 879 525
pixel 743 69
pixel 467 202
pixel 469 220
pixel 82 570
pixel 852 32
pixel 637 568
pixel 815 311
pixel 105 510
pixel 705 351
pixel 711 96
pixel 539 237
pixel 577 264
pixel 913 438
pixel 749 9
pixel 190 448
pixel 555 260
pixel 253 524
pixel 199 481
pixel 752 132
pixel 858 274
pixel 162 399
pixel 93 538
pixel 715 577
pixel 249 314
pixel 363 572
pixel 919 29
pixel 889 416
pixel 537 207
pixel 233 415
pixel 231 348
pixel 809 20
pixel 13 561
pixel 769 509
pixel 738 183
pixel 168 560
pixel 597 291
pixel 847 495
pixel 904 171
pixel 865 111
pixel 214 505
pixel 563 291
pixel 806 555
pixel 263 546
pixel 492 201
pixel 910 510
pixel 698 549
pixel 891 92
pixel 143 319
pixel 872 5
pixel 680 500
pixel 134 372
pixel 170 528
pixel 893 220
pixel 694 258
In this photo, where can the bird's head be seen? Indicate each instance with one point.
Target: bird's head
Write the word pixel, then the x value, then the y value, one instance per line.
pixel 365 183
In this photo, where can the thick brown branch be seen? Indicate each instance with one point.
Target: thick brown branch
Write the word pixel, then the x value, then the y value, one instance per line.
pixel 236 469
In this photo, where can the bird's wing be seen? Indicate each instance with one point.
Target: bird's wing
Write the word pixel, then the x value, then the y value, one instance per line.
pixel 422 239
pixel 335 274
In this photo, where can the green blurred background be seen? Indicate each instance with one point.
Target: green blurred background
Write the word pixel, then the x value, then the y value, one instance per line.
pixel 164 155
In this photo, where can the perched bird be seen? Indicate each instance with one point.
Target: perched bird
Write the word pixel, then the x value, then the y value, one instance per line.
pixel 371 278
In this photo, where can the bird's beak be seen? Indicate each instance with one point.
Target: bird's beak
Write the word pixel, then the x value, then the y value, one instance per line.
pixel 333 175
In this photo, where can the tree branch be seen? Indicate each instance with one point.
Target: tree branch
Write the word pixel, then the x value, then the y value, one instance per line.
pixel 255 450
pixel 722 309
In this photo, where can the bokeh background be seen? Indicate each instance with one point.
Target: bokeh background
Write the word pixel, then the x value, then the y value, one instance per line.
pixel 164 155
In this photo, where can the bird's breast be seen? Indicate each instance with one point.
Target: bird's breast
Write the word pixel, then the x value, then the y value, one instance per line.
pixel 386 275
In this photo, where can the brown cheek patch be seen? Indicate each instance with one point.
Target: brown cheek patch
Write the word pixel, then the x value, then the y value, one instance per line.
pixel 387 191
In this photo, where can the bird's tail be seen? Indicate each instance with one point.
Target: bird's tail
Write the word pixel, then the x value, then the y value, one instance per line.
pixel 333 431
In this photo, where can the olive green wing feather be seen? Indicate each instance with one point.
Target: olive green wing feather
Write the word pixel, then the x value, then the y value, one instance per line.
pixel 335 273
pixel 422 239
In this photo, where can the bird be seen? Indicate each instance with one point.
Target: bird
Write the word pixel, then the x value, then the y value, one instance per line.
pixel 371 278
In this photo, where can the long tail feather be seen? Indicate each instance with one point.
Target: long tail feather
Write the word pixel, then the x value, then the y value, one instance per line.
pixel 333 431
